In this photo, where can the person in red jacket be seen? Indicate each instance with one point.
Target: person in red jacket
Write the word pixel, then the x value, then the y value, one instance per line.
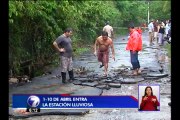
pixel 149 101
pixel 139 30
pixel 134 45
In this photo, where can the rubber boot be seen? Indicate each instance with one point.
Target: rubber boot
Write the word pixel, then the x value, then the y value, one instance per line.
pixel 71 76
pixel 63 74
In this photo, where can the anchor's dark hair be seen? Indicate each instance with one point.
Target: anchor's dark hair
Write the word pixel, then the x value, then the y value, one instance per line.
pixel 146 89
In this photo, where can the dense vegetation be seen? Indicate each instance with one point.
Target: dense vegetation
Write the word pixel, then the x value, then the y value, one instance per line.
pixel 34 25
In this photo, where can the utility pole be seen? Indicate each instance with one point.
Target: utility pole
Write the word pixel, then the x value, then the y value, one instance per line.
pixel 148 12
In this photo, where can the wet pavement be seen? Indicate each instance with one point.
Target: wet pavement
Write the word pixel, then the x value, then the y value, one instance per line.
pixel 154 64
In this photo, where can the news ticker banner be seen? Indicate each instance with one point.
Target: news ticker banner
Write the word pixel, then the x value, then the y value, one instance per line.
pixel 64 101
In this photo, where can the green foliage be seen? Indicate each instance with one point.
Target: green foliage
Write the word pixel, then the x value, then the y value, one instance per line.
pixel 132 11
pixel 121 31
pixel 31 30
pixel 79 51
pixel 160 10
pixel 136 11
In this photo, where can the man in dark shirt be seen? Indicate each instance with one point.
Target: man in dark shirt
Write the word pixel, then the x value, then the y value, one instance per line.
pixel 64 47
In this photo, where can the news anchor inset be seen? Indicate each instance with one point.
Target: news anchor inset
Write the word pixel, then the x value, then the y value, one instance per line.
pixel 149 101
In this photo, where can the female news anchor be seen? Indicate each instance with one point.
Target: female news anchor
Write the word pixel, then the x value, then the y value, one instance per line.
pixel 149 101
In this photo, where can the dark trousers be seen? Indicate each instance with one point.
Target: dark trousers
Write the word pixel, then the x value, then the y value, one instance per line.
pixel 134 60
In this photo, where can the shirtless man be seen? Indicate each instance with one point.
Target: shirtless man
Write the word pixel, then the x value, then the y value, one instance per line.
pixel 104 42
